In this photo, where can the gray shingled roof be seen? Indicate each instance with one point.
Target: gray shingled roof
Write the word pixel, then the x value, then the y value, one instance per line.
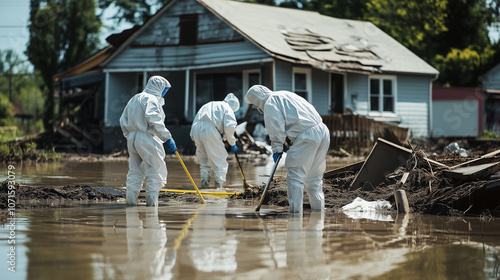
pixel 324 42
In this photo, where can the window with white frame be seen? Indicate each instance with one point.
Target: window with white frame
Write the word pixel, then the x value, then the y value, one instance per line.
pixel 302 82
pixel 382 94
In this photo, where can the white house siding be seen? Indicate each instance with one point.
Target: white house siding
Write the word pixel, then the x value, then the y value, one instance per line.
pixel 455 118
pixel 165 31
pixel 282 75
pixel 491 80
pixel 321 91
pixel 413 104
pixel 319 80
pixel 186 56
pixel 120 88
pixel 357 93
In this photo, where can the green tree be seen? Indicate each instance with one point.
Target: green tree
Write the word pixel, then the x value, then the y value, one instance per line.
pixel 32 101
pixel 463 67
pixel 132 11
pixel 464 51
pixel 62 33
pixel 6 114
pixel 413 23
pixel 466 24
pixel 349 9
pixel 12 68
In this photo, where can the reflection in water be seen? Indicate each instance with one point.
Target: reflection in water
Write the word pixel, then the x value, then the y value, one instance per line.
pixel 112 174
pixel 221 240
pixel 304 250
pixel 145 255
pixel 212 248
pixel 148 257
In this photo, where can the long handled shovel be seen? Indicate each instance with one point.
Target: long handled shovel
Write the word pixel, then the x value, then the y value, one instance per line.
pixel 226 194
pixel 245 184
pixel 267 185
pixel 190 178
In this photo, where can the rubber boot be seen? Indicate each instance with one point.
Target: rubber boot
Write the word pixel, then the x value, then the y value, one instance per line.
pixel 205 178
pixel 131 198
pixel 152 198
pixel 218 184
pixel 205 183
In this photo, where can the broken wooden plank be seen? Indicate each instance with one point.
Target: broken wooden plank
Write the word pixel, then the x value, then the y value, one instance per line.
pixel 436 163
pixel 348 168
pixel 491 154
pixel 383 159
pixel 404 177
pixel 473 172
pixel 401 201
pixel 477 161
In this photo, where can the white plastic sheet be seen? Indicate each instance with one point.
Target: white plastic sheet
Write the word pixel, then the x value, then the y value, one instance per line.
pixel 372 210
pixel 240 129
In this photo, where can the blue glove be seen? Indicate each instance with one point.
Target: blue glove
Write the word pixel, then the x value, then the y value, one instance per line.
pixel 276 155
pixel 234 149
pixel 171 145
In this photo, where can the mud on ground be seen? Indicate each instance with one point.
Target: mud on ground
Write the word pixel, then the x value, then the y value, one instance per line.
pixel 428 191
pixel 32 197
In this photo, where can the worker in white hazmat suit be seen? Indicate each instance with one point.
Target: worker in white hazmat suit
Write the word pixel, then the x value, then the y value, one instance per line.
pixel 286 114
pixel 142 123
pixel 214 123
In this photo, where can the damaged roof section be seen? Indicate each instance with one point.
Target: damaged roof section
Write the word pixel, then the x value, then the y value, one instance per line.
pixel 325 53
pixel 327 43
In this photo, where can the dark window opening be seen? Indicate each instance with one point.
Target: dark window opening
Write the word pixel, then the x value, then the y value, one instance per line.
pixel 300 80
pixel 374 94
pixel 188 30
pixel 215 87
pixel 253 79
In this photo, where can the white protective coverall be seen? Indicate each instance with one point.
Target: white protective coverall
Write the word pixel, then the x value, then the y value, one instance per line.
pixel 214 122
pixel 142 123
pixel 286 114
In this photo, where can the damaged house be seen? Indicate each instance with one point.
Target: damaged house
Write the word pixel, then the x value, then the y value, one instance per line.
pixel 208 48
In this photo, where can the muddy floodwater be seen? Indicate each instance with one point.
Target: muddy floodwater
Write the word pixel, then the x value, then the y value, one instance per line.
pixel 227 239
pixel 112 174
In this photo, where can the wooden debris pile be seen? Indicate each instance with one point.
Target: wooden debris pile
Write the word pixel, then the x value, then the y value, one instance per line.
pixel 471 187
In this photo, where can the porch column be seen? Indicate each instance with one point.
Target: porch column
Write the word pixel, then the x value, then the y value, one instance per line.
pixel 186 94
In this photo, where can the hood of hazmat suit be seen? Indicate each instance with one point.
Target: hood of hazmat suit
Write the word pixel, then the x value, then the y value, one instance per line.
pixel 157 86
pixel 143 124
pixel 257 95
pixel 233 101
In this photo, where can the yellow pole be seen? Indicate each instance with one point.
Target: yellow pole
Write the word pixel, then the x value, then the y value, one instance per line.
pixel 202 192
pixel 185 229
pixel 190 178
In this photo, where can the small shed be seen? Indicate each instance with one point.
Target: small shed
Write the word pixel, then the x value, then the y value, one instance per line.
pixel 457 111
